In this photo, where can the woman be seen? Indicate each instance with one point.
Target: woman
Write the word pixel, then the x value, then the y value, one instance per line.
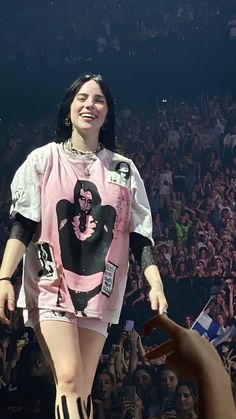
pixel 73 217
pixel 105 400
pixel 168 381
pixel 185 401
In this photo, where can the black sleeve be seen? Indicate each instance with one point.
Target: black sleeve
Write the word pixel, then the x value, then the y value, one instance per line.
pixel 22 229
pixel 142 250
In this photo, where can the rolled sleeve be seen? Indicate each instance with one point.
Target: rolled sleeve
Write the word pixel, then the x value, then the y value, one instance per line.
pixel 26 188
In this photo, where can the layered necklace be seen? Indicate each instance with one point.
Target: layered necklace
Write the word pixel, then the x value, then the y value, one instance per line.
pixel 88 157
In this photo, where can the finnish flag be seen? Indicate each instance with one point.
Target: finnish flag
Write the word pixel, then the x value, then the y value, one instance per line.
pixel 206 326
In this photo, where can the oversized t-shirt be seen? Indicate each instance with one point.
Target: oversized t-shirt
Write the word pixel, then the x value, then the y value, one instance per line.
pixel 78 258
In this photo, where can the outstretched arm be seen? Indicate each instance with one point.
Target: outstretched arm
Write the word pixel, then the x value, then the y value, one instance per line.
pixel 194 357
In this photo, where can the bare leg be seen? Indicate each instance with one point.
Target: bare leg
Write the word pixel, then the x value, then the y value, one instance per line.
pixel 91 344
pixel 60 343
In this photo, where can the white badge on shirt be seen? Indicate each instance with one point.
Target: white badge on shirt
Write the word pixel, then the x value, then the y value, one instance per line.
pixel 108 278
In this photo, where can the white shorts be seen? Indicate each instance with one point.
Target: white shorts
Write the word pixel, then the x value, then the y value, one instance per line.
pixel 33 316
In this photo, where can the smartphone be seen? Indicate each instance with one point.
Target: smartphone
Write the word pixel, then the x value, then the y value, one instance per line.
pixel 130 393
pixel 129 325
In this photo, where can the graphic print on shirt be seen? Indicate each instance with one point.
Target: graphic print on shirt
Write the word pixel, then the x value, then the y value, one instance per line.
pixel 85 233
pixel 108 279
pixel 85 230
pixel 120 175
pixel 46 259
pixel 17 197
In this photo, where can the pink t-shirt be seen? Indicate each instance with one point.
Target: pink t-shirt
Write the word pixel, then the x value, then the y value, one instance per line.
pixel 78 258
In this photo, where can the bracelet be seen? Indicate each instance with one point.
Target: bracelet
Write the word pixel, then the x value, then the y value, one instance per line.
pixel 5 279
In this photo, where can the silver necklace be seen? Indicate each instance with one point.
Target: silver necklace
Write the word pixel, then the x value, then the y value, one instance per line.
pixel 85 155
pixel 87 167
pixel 79 152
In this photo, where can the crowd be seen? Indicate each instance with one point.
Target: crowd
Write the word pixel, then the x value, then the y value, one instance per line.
pixel 186 153
pixel 80 31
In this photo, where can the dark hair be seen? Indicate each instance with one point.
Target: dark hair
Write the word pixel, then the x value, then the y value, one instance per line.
pixel 146 368
pixel 192 389
pixel 64 129
pixel 107 372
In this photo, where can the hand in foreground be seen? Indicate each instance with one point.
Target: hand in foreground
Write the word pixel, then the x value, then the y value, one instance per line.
pixel 186 351
pixel 7 300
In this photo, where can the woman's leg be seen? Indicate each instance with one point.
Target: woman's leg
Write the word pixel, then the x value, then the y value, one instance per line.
pixel 59 341
pixel 91 344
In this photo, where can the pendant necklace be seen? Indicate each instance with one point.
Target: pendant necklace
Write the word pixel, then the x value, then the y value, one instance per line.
pixel 86 155
pixel 88 167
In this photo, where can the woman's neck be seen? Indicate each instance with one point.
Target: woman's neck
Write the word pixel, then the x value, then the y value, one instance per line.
pixel 85 142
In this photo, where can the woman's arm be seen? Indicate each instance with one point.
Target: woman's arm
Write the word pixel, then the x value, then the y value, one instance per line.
pixel 156 294
pixel 13 254
pixel 21 234
pixel 145 255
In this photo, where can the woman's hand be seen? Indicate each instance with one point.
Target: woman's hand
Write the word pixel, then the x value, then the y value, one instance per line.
pixel 186 351
pixel 7 300
pixel 158 299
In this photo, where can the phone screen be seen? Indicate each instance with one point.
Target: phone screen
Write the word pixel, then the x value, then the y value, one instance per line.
pixel 130 393
pixel 129 325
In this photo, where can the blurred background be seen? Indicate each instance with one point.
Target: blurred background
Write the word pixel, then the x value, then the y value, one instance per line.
pixel 144 48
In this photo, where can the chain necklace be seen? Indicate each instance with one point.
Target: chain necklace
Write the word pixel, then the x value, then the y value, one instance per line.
pixel 85 155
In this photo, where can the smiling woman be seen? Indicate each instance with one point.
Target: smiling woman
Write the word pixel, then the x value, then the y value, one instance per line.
pixel 87 114
pixel 185 400
pixel 77 205
pixel 90 98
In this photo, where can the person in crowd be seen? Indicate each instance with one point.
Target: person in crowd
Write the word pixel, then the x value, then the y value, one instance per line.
pixel 188 321
pixel 143 379
pixel 76 206
pixel 105 398
pixel 185 400
pixel 168 381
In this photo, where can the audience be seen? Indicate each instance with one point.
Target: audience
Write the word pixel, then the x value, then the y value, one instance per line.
pixel 191 187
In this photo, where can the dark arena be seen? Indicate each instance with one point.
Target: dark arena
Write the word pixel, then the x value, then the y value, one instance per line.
pixel 118 209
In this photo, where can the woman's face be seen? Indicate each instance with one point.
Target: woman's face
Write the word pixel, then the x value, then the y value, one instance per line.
pixel 169 380
pixel 104 386
pixel 143 379
pixel 89 109
pixel 184 399
pixel 220 319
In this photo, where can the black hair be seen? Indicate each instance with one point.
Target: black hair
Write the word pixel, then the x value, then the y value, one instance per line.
pixel 64 126
pixel 147 368
pixel 88 187
pixel 107 372
pixel 192 389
